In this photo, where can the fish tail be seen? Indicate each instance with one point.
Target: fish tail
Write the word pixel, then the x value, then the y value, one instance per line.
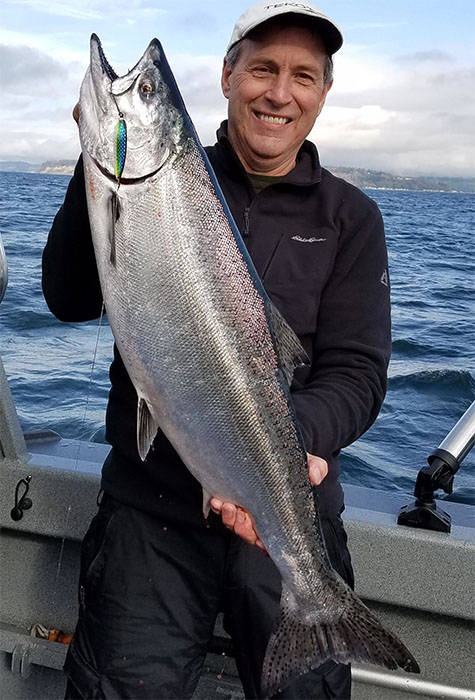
pixel 296 647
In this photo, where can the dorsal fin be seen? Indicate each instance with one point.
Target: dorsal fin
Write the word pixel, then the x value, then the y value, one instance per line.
pixel 289 349
pixel 147 428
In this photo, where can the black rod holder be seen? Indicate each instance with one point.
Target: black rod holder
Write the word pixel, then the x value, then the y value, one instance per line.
pixel 443 464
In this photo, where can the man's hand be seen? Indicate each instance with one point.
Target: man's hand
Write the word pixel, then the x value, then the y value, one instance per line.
pixel 317 469
pixel 240 522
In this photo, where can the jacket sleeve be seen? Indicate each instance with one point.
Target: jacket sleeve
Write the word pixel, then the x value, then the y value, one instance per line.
pixel 70 280
pixel 343 394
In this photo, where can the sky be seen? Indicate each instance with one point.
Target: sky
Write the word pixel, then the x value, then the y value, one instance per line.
pixel 403 98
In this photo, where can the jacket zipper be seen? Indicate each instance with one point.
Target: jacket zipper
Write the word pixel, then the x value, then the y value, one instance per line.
pixel 247 223
pixel 247 228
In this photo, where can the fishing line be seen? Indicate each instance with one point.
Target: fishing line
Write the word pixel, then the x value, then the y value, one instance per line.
pixel 68 514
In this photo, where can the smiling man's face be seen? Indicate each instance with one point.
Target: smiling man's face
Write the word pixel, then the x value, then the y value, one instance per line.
pixel 276 91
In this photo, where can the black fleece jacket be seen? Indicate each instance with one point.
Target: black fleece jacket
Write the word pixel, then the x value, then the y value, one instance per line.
pixel 318 244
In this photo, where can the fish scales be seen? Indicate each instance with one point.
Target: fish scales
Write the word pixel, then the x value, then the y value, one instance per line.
pixel 210 358
pixel 190 333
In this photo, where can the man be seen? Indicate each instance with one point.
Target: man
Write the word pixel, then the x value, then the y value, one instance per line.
pixel 154 573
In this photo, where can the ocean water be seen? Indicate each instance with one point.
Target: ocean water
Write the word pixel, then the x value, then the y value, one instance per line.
pixel 58 372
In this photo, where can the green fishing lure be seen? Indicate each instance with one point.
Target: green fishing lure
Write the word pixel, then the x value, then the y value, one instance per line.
pixel 120 147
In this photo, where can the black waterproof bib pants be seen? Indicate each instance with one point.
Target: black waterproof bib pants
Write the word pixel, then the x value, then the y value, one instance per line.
pixel 149 594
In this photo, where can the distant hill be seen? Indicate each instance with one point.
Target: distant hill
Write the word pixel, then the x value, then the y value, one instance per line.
pixel 18 166
pixel 50 167
pixel 360 177
pixel 376 179
pixel 57 167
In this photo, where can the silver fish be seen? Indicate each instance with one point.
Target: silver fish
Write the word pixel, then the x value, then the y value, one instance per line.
pixel 209 355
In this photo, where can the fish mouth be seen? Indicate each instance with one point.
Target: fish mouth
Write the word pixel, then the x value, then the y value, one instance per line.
pixel 106 66
pixel 126 180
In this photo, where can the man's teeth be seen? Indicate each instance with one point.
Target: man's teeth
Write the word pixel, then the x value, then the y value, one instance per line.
pixel 272 120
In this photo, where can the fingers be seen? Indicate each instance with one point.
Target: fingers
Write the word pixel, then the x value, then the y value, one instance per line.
pixel 238 520
pixel 317 469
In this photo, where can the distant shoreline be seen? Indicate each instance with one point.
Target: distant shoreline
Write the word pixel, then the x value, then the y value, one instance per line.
pixel 362 178
pixel 405 189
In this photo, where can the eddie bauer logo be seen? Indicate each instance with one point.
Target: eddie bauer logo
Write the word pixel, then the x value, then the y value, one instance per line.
pixel 300 239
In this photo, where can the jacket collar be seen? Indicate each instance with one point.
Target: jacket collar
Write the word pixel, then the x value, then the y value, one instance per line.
pixel 307 170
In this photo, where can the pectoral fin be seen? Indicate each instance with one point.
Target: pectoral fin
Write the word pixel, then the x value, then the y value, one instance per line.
pixel 147 428
pixel 206 503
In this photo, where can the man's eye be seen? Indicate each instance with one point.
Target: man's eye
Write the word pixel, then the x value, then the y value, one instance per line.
pixel 305 78
pixel 261 69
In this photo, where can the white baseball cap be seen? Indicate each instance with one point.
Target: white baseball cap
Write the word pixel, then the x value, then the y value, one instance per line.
pixel 264 10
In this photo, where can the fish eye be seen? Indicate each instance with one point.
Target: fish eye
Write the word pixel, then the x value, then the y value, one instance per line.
pixel 146 88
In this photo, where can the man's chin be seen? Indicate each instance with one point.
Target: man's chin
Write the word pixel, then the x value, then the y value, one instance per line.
pixel 269 148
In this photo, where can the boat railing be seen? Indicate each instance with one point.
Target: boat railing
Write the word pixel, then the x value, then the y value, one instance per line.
pixel 12 443
pixel 3 270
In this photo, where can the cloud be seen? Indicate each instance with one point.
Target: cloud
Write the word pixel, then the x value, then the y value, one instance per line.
pixel 39 147
pixel 57 45
pixel 92 9
pixel 197 21
pixel 414 91
pixel 199 78
pixel 410 115
pixel 62 9
pixel 36 116
pixel 413 114
pixel 27 71
pixel 38 93
pixel 419 57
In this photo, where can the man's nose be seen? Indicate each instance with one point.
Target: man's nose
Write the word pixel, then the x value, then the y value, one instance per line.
pixel 280 92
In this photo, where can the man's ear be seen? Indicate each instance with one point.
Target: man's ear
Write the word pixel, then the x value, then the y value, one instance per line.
pixel 325 92
pixel 226 79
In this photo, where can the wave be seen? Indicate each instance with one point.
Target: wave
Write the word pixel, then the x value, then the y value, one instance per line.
pixel 456 379
pixel 359 469
pixel 408 347
pixel 29 321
